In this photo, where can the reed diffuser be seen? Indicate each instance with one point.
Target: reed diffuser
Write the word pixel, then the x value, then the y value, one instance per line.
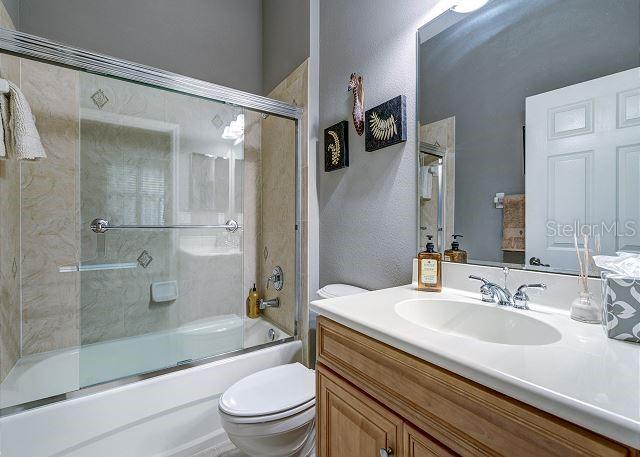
pixel 583 308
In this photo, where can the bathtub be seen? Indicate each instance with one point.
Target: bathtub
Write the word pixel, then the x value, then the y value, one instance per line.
pixel 174 414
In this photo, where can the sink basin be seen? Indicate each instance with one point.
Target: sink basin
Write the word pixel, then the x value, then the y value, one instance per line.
pixel 477 321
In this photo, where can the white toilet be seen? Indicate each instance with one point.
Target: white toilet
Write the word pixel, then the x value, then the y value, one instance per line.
pixel 271 413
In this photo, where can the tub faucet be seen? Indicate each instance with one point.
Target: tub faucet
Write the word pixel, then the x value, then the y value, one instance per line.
pixel 271 303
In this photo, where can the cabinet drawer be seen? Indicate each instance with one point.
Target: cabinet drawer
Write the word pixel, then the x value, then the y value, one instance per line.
pixel 462 415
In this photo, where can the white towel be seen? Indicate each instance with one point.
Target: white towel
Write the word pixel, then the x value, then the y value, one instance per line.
pixel 426 182
pixel 18 133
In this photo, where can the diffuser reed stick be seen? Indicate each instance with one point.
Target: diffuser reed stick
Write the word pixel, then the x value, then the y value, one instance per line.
pixel 582 278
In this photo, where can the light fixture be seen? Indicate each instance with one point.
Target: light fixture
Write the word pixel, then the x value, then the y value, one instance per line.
pixel 467 6
pixel 235 129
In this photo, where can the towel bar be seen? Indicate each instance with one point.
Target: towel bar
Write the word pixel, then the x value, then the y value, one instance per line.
pixel 102 225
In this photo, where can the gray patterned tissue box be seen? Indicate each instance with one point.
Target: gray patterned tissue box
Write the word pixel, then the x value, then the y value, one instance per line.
pixel 621 310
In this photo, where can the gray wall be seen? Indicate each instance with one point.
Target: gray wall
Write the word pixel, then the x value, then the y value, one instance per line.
pixel 13 8
pixel 214 40
pixel 481 70
pixel 285 39
pixel 368 211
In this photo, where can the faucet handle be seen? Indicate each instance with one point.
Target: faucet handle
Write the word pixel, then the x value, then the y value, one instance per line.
pixel 485 289
pixel 521 298
pixel 478 278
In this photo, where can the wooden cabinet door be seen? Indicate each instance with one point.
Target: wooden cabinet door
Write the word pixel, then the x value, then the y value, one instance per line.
pixel 351 424
pixel 417 444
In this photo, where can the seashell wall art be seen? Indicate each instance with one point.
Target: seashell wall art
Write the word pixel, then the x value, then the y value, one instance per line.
pixel 386 124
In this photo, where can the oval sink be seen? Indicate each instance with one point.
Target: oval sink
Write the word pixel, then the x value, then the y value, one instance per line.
pixel 481 322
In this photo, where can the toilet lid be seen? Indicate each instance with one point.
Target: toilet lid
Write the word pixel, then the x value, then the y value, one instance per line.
pixel 339 290
pixel 270 391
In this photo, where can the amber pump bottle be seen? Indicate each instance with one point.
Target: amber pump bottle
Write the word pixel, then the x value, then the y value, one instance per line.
pixel 455 254
pixel 253 303
pixel 429 269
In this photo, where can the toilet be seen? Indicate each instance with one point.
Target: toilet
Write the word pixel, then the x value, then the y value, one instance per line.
pixel 339 290
pixel 271 413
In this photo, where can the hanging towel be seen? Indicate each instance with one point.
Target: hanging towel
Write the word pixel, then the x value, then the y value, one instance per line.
pixel 513 217
pixel 426 182
pixel 18 134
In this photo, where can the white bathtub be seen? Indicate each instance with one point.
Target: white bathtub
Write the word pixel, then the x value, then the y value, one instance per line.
pixel 47 374
pixel 170 415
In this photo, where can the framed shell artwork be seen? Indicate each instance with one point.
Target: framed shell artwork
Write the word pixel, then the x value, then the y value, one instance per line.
pixel 386 124
pixel 336 146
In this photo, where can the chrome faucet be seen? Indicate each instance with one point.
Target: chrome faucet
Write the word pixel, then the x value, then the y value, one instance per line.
pixel 271 303
pixel 493 293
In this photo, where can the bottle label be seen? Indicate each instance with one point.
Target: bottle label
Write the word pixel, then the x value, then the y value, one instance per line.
pixel 429 271
pixel 447 258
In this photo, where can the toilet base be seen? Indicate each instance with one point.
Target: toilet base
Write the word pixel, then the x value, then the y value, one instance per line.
pixel 294 443
pixel 294 436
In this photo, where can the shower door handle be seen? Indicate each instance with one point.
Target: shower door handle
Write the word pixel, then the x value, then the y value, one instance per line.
pixel 100 225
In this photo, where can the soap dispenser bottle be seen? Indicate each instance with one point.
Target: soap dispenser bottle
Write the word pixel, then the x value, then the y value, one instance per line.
pixel 429 269
pixel 455 254
pixel 253 303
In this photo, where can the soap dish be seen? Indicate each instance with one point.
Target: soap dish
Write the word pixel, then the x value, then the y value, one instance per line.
pixel 164 291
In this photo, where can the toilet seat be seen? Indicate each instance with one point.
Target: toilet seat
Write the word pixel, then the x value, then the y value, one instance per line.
pixel 269 395
pixel 268 417
pixel 339 290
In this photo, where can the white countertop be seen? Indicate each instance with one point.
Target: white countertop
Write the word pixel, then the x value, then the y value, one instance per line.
pixel 585 377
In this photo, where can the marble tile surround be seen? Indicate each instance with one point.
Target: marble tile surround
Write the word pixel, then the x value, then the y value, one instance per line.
pixel 9 234
pixel 443 132
pixel 50 212
pixel 278 178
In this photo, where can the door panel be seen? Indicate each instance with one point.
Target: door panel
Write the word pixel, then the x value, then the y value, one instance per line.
pixel 350 424
pixel 581 145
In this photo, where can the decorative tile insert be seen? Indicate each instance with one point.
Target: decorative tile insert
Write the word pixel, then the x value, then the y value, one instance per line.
pixel 144 259
pixel 217 121
pixel 100 98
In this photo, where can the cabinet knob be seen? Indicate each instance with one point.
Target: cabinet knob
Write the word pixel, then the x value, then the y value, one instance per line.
pixel 386 452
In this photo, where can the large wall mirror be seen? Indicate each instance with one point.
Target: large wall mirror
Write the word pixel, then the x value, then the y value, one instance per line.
pixel 529 130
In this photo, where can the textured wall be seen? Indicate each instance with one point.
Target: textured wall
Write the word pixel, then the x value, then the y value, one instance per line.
pixel 285 39
pixel 368 211
pixel 217 41
pixel 465 74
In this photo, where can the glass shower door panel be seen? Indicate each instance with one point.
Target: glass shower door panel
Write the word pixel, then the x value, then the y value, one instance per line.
pixel 159 291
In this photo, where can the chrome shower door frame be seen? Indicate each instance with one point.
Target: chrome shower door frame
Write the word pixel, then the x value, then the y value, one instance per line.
pixel 48 51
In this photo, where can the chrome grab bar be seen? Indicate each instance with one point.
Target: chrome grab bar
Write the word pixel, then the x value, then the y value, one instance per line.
pixel 99 225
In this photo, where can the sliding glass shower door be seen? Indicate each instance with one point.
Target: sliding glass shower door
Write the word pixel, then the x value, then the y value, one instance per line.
pixel 161 216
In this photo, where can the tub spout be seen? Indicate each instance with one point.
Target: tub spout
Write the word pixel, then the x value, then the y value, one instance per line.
pixel 272 303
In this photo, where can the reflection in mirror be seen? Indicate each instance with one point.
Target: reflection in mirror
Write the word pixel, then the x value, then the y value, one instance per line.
pixel 535 107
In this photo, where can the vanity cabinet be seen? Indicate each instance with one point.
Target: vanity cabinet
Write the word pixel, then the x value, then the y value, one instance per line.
pixel 353 425
pixel 372 396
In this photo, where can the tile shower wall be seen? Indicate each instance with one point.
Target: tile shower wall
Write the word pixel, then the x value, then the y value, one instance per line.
pixel 42 200
pixel 278 202
pixel 49 212
pixel 9 235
